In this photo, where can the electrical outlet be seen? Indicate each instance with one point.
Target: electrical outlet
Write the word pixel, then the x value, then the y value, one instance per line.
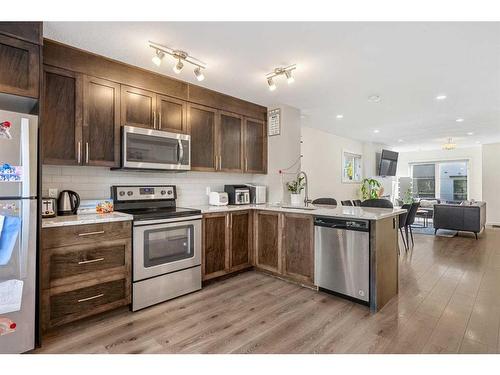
pixel 53 193
pixel 207 190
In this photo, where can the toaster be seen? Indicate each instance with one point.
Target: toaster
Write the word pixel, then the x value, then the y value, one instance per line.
pixel 216 198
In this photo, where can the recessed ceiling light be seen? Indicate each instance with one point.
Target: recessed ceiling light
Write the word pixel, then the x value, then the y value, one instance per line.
pixel 376 131
pixel 400 140
pixel 374 98
pixel 459 120
pixel 470 133
pixel 441 97
pixel 478 142
pixel 340 117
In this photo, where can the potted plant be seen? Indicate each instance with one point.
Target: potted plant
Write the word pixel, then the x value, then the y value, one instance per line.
pixel 295 188
pixel 408 197
pixel 370 189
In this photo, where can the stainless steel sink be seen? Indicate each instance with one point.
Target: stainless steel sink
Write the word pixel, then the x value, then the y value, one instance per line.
pixel 300 207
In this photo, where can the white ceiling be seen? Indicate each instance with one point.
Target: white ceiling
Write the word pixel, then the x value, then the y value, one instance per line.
pixel 339 64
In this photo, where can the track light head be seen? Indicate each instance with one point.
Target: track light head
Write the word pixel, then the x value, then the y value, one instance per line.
pixel 199 74
pixel 272 85
pixel 178 67
pixel 289 76
pixel 158 57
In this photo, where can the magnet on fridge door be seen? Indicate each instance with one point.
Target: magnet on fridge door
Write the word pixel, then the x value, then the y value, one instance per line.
pixel 7 326
pixel 9 173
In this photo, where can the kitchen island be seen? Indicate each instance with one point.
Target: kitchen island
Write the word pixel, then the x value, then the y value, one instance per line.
pixel 281 241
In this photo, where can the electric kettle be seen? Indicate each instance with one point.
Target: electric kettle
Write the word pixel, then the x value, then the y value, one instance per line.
pixel 68 203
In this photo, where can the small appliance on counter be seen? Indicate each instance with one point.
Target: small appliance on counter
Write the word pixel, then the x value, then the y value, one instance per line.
pixel 237 194
pixel 49 207
pixel 216 198
pixel 257 193
pixel 68 203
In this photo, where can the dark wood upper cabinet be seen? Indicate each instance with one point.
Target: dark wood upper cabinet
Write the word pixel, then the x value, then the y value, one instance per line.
pixel 172 114
pixel 27 31
pixel 230 139
pixel 215 245
pixel 298 247
pixel 138 107
pixel 61 125
pixel 101 122
pixel 240 239
pixel 255 146
pixel 19 67
pixel 267 240
pixel 202 124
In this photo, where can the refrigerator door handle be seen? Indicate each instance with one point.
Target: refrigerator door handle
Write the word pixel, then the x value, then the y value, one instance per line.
pixel 25 157
pixel 79 156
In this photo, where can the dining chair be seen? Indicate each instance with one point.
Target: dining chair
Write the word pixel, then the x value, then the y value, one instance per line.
pixel 410 220
pixel 402 224
pixel 378 203
pixel 346 203
pixel 325 201
pixel 357 202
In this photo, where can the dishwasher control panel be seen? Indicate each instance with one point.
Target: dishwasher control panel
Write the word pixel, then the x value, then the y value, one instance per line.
pixel 349 224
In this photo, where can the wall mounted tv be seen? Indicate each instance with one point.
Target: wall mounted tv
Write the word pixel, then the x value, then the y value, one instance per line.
pixel 388 163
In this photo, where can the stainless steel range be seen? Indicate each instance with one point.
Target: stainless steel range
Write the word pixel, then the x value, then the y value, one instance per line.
pixel 166 243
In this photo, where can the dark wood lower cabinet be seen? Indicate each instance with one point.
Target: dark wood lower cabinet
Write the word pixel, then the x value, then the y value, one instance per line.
pixel 268 240
pixel 227 243
pixel 84 271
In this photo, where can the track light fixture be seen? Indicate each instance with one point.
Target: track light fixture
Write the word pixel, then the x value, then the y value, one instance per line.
pixel 181 57
pixel 286 71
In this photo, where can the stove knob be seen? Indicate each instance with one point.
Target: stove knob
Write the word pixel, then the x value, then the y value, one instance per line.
pixel 121 193
pixel 163 192
pixel 129 193
pixel 169 192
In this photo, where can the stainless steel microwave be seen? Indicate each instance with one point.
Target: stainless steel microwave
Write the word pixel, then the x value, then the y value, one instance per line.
pixel 155 149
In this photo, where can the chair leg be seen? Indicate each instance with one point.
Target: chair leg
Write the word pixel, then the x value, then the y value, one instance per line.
pixel 411 234
pixel 402 237
pixel 407 239
pixel 435 231
pixel 475 234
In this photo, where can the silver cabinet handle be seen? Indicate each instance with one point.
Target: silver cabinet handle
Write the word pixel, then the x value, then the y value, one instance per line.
pixel 246 164
pixel 91 298
pixel 91 261
pixel 159 120
pixel 216 162
pixel 90 233
pixel 220 162
pixel 86 152
pixel 154 119
pixel 79 156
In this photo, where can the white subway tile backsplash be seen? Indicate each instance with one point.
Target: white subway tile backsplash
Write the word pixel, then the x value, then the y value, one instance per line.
pixel 95 182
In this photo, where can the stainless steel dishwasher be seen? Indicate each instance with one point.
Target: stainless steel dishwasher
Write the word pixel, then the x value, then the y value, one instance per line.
pixel 342 257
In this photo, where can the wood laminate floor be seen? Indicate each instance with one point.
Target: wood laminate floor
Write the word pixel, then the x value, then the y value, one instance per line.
pixel 449 302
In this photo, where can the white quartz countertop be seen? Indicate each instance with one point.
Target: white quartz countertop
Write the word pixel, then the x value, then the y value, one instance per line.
pixel 338 211
pixel 81 219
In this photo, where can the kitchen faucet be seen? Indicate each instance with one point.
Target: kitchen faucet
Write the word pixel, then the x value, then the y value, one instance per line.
pixel 306 198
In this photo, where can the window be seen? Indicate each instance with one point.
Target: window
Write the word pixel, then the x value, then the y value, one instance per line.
pixel 445 180
pixel 351 167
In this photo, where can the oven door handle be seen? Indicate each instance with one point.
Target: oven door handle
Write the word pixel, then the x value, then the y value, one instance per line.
pixel 180 151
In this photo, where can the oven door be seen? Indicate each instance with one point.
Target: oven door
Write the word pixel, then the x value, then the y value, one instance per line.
pixel 155 149
pixel 166 246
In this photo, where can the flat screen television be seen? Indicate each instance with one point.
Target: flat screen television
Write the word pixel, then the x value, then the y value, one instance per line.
pixel 388 163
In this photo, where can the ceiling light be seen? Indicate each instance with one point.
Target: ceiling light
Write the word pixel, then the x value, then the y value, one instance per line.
pixel 340 117
pixel 374 98
pixel 400 140
pixel 199 74
pixel 178 67
pixel 286 71
pixel 478 142
pixel 272 85
pixel 376 131
pixel 459 120
pixel 441 97
pixel 158 57
pixel 449 145
pixel 470 133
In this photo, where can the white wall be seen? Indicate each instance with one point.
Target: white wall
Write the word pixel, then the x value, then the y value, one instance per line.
pixel 283 152
pixel 322 161
pixel 491 182
pixel 473 154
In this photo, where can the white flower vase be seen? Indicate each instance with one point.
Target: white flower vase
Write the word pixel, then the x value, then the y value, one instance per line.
pixel 295 199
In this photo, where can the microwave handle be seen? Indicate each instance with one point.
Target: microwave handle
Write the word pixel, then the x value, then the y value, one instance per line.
pixel 180 151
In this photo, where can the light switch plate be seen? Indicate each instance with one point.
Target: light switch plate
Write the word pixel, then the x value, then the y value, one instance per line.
pixel 53 193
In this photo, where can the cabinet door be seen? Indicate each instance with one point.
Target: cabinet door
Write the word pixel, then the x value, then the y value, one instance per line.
pixel 20 67
pixel 171 114
pixel 101 122
pixel 215 245
pixel 255 146
pixel 138 107
pixel 61 125
pixel 268 240
pixel 202 122
pixel 240 239
pixel 28 31
pixel 230 137
pixel 298 247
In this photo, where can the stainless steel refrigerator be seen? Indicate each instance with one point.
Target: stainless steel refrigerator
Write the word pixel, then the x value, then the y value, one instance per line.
pixel 18 231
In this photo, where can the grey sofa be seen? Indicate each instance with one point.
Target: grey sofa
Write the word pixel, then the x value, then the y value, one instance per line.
pixel 467 218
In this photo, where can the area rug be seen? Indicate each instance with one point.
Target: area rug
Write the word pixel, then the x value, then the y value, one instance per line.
pixel 430 231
